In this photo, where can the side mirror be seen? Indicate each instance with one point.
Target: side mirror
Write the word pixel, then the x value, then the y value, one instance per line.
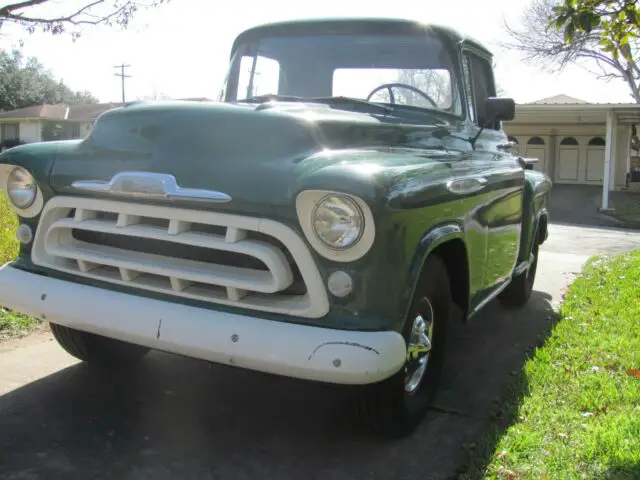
pixel 500 109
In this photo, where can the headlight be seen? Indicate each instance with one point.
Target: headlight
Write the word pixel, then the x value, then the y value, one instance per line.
pixel 337 221
pixel 21 188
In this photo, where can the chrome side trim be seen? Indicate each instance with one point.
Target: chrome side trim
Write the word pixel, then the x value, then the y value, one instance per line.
pixel 464 186
pixel 149 184
pixel 524 265
pixel 492 296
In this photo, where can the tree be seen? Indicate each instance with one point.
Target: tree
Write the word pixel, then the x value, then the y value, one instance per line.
pixel 25 82
pixel 436 83
pixel 541 41
pixel 53 17
pixel 617 21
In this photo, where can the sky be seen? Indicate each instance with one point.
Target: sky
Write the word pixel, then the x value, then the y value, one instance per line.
pixel 181 49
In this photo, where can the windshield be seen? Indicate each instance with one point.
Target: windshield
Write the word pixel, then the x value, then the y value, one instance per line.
pixel 349 65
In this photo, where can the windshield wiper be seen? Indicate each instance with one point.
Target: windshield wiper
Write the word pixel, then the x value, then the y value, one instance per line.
pixel 271 97
pixel 348 102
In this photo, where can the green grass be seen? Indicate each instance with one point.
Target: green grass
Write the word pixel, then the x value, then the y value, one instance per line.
pixel 626 207
pixel 575 408
pixel 8 225
pixel 15 324
pixel 11 323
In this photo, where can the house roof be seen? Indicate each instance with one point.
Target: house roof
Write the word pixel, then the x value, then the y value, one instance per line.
pixel 77 113
pixel 87 112
pixel 90 111
pixel 37 111
pixel 558 100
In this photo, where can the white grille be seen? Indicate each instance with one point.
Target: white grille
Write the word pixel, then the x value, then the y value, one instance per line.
pixel 59 245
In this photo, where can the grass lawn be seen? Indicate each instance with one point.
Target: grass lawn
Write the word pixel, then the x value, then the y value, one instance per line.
pixel 8 225
pixel 575 409
pixel 11 324
pixel 626 208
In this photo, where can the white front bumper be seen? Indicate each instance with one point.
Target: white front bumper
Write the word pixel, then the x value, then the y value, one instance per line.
pixel 300 351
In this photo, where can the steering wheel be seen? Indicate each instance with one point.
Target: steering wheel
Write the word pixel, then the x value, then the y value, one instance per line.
pixel 389 86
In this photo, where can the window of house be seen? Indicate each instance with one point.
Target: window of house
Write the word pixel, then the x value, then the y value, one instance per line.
pixel 10 131
pixel 535 141
pixel 569 141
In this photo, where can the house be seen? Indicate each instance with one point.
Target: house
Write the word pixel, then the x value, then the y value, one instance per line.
pixel 54 122
pixel 50 122
pixel 580 143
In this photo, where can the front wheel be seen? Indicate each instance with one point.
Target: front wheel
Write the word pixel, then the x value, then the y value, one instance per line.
pixel 397 405
pixel 96 349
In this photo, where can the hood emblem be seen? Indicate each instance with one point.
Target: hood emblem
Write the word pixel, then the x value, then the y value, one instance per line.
pixel 150 185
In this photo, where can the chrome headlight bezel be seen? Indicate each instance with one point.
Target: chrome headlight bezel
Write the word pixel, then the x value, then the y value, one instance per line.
pixel 21 188
pixel 30 209
pixel 308 204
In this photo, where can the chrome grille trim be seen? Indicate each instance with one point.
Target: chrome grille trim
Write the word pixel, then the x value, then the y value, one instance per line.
pixel 56 247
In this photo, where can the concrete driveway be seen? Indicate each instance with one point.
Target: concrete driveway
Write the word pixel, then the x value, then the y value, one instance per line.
pixel 174 418
pixel 579 205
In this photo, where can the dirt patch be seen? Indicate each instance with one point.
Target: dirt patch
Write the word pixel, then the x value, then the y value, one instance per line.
pixel 39 334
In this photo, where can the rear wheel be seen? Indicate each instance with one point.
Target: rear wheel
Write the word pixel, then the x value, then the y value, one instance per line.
pixel 519 290
pixel 397 405
pixel 96 349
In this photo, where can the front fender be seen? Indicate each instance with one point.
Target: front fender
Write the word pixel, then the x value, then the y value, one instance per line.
pixel 535 210
pixel 431 240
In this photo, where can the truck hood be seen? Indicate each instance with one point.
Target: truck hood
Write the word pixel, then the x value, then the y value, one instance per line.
pixel 254 155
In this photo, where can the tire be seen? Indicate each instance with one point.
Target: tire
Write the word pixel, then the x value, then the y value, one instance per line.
pixel 96 349
pixel 519 290
pixel 387 407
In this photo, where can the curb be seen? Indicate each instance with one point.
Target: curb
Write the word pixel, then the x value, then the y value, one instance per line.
pixel 621 223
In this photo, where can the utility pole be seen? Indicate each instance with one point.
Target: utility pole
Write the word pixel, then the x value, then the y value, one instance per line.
pixel 122 76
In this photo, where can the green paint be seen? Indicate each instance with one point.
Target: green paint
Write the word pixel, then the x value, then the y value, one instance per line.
pixel 263 157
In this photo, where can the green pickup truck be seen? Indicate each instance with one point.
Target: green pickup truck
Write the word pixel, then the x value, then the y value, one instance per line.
pixel 319 220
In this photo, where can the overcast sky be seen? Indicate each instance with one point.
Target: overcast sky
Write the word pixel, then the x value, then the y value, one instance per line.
pixel 181 49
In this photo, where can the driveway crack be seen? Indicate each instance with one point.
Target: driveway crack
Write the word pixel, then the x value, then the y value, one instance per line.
pixel 456 413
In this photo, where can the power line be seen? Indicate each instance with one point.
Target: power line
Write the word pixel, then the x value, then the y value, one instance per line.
pixel 122 76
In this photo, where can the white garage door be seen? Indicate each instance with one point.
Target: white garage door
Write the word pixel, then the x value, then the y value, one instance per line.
pixel 568 167
pixel 535 151
pixel 594 169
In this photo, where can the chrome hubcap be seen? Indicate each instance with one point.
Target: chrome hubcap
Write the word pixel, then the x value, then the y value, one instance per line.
pixel 419 348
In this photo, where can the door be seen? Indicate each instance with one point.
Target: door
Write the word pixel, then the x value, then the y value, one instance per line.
pixel 516 149
pixel 536 148
pixel 594 171
pixel 501 179
pixel 568 167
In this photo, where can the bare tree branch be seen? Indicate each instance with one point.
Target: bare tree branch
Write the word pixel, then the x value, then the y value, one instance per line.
pixel 93 12
pixel 545 46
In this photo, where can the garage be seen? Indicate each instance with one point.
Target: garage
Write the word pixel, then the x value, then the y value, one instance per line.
pixel 580 143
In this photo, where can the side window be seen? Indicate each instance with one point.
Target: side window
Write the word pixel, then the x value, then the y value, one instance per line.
pixel 468 86
pixel 482 85
pixel 260 79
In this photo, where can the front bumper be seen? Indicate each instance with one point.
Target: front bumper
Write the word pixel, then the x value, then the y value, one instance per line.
pixel 300 351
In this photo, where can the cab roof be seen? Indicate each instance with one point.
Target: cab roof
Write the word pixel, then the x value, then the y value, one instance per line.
pixel 365 25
